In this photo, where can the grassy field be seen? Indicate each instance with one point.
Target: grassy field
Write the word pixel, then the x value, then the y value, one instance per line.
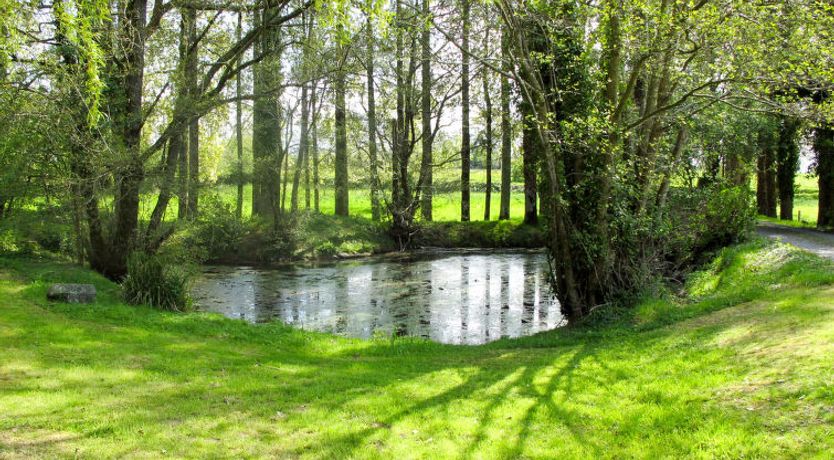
pixel 742 369
pixel 446 205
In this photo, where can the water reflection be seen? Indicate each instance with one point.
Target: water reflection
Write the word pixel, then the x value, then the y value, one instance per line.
pixel 461 298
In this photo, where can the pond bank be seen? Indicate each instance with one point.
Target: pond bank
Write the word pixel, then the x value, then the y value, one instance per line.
pixel 313 236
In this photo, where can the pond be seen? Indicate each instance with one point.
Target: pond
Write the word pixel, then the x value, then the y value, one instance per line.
pixel 470 297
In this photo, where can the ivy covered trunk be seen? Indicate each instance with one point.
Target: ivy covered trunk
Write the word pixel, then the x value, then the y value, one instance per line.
pixel 787 163
pixel 824 149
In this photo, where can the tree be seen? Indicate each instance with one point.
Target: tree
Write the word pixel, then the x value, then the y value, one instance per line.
pixel 488 136
pixel 376 210
pixel 342 191
pixel 787 164
pixel 465 149
pixel 266 123
pixel 766 176
pixel 239 127
pixel 190 76
pixel 425 109
pixel 506 130
pixel 824 150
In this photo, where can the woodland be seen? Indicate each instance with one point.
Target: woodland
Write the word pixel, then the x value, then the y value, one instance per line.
pixel 637 144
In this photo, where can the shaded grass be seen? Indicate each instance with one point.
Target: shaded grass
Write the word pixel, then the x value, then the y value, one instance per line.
pixel 747 375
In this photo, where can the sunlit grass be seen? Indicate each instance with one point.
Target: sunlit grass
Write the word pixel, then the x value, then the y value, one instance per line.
pixel 446 205
pixel 741 370
pixel 805 203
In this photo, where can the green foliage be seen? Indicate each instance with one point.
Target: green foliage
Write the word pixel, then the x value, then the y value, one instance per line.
pixel 492 234
pixel 155 282
pixel 82 22
pixel 215 232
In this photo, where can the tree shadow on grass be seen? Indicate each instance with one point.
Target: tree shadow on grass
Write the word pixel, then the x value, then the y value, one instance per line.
pixel 206 378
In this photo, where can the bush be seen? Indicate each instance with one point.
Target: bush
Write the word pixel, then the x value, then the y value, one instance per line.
pixel 151 281
pixel 216 234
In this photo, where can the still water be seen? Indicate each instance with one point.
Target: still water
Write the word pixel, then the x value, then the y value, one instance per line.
pixel 447 297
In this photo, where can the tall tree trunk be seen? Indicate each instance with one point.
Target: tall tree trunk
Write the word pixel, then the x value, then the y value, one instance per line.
pixel 396 128
pixel 307 181
pixel 665 183
pixel 282 197
pixel 341 160
pixel 315 148
pixel 465 153
pixel 506 130
pixel 766 182
pixel 372 147
pixel 191 74
pixel 530 147
pixel 488 121
pixel 169 169
pixel 177 154
pixel 182 178
pixel 302 148
pixel 425 108
pixel 130 175
pixel 239 128
pixel 787 164
pixel 266 126
pixel 824 149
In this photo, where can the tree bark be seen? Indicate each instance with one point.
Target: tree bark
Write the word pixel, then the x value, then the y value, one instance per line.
pixel 787 164
pixel 302 148
pixel 530 147
pixel 341 160
pixel 191 74
pixel 426 203
pixel 506 130
pixel 766 182
pixel 175 149
pixel 824 150
pixel 131 173
pixel 266 126
pixel 465 153
pixel 488 139
pixel 239 128
pixel 372 123
pixel 315 151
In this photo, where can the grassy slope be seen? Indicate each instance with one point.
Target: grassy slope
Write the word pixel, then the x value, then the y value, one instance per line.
pixel 694 379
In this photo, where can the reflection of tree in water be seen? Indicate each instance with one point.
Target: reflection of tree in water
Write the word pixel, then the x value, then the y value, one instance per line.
pixel 464 296
pixel 528 299
pixel 487 300
pixel 505 298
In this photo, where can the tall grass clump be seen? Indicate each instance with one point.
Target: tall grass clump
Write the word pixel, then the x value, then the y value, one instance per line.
pixel 151 281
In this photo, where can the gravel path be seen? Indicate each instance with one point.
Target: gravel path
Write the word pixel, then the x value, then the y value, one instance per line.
pixel 817 242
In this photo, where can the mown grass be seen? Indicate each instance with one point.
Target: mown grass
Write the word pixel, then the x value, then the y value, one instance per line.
pixel 741 369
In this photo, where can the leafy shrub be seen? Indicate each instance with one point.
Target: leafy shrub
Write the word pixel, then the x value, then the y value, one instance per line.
pixel 216 234
pixel 217 228
pixel 492 234
pixel 152 281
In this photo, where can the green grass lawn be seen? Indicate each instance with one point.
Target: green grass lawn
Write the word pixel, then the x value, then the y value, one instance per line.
pixel 446 205
pixel 743 369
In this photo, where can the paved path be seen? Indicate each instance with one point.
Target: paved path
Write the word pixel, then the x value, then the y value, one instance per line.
pixel 815 241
